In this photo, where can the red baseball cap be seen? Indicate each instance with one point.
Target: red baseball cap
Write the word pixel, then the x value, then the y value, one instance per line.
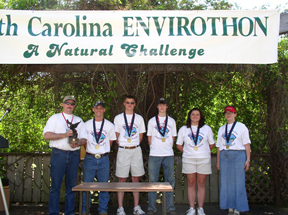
pixel 231 109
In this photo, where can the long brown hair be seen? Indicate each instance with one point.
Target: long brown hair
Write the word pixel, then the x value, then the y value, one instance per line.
pixel 201 121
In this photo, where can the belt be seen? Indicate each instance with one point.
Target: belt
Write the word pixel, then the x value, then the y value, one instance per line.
pixel 128 147
pixel 97 156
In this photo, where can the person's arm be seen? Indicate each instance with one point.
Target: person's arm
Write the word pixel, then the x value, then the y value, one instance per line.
pixel 218 159
pixel 117 138
pixel 173 138
pixel 211 146
pixel 248 154
pixel 149 140
pixel 180 147
pixel 53 136
pixel 111 142
pixel 140 137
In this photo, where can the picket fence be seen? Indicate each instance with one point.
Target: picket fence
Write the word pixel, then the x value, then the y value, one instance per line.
pixel 29 179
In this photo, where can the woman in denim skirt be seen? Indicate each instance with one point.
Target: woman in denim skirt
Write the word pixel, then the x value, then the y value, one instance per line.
pixel 233 160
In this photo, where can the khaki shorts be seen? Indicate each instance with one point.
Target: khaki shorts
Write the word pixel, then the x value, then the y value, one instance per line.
pixel 196 165
pixel 129 159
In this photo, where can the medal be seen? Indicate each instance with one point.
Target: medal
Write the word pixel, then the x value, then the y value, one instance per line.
pixel 195 139
pixel 97 135
pixel 162 133
pixel 129 129
pixel 228 136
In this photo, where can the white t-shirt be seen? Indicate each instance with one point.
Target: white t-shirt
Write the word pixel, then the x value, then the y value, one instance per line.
pixel 157 147
pixel 107 134
pixel 205 138
pixel 57 124
pixel 238 139
pixel 120 127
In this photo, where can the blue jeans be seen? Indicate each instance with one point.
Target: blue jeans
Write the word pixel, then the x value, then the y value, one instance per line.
pixel 101 169
pixel 154 165
pixel 63 163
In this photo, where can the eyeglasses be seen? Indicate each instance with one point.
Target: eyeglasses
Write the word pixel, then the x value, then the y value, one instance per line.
pixel 132 103
pixel 228 113
pixel 68 103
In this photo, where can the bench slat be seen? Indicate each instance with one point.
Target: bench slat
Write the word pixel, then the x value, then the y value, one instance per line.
pixel 124 187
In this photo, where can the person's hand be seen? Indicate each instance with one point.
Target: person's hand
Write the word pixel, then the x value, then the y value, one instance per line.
pixel 247 165
pixel 69 133
pixel 218 166
pixel 82 141
pixel 74 145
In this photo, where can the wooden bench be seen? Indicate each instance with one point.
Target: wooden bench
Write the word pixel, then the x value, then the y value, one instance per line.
pixel 123 187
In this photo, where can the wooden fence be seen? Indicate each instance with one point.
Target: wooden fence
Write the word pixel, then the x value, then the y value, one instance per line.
pixel 29 177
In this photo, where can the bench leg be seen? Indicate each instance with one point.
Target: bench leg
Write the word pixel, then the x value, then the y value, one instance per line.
pixel 164 212
pixel 87 202
pixel 80 203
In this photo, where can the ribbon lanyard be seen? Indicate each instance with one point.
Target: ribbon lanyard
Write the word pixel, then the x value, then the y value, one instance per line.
pixel 97 136
pixel 197 134
pixel 158 125
pixel 129 129
pixel 66 120
pixel 230 132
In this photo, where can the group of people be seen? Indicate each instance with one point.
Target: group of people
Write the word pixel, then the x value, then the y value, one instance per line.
pixel 195 140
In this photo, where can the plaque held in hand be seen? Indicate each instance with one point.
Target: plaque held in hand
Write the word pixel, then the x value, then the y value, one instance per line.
pixel 74 138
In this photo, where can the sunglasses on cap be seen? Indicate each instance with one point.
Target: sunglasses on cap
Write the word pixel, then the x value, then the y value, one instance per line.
pixel 69 103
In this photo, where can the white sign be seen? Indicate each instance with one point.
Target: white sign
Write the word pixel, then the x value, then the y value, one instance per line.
pixel 130 37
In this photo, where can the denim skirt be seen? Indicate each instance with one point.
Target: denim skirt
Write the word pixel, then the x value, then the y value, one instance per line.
pixel 232 180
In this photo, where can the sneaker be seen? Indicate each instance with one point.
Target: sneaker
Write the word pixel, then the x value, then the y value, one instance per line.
pixel 236 212
pixel 230 211
pixel 191 211
pixel 150 212
pixel 200 211
pixel 120 211
pixel 172 212
pixel 138 211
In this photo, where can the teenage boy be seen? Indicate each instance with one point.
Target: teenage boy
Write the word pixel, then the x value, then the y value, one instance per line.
pixel 64 156
pixel 101 135
pixel 129 128
pixel 161 136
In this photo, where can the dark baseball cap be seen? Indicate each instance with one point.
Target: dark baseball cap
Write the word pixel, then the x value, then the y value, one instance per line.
pixel 162 100
pixel 99 103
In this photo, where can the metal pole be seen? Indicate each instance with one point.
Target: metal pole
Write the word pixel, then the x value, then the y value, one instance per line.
pixel 3 198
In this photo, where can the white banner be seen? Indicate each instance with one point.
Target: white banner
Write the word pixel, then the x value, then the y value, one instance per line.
pixel 117 37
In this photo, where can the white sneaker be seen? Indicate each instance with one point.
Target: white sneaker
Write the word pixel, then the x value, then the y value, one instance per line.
pixel 120 211
pixel 200 211
pixel 191 211
pixel 138 211
pixel 236 212
pixel 230 211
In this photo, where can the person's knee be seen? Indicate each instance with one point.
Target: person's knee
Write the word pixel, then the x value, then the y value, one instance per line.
pixel 191 183
pixel 135 179
pixel 201 184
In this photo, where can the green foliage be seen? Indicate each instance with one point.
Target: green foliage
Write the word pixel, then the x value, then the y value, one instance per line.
pixel 115 5
pixel 22 4
pixel 35 96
